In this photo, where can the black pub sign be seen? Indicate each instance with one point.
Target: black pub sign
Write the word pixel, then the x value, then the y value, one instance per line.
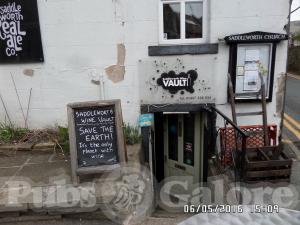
pixel 178 82
pixel 256 36
pixel 20 37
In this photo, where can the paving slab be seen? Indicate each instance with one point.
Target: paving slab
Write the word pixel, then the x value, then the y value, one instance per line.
pixel 17 159
pixel 40 157
pixel 7 172
pixel 5 207
pixel 42 173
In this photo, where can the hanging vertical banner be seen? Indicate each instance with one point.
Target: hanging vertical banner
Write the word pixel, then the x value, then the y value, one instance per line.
pixel 20 37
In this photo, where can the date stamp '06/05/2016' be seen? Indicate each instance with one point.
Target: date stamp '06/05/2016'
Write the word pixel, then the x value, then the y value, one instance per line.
pixel 231 208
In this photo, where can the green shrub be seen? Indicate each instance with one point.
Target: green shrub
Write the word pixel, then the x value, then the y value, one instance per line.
pixel 297 36
pixel 63 138
pixel 10 133
pixel 132 134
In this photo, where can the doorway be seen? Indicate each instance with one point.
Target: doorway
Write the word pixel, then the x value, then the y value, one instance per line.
pixel 199 140
pixel 183 141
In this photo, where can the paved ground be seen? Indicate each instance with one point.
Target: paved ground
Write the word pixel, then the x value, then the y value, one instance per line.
pixel 40 169
pixel 291 129
pixel 39 166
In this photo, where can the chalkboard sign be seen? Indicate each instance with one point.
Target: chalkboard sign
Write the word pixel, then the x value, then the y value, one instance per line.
pixel 20 36
pixel 96 136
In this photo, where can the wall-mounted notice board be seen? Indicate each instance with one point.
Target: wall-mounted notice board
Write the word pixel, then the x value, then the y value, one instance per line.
pixel 251 55
pixel 96 137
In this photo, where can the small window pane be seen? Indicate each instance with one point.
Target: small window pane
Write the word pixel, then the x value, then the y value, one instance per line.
pixel 188 140
pixel 171 12
pixel 173 137
pixel 193 19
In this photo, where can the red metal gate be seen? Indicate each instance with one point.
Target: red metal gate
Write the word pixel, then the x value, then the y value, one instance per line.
pixel 228 142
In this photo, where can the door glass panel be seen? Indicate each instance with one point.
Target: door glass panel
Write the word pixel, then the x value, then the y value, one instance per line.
pixel 193 19
pixel 188 139
pixel 173 137
pixel 171 14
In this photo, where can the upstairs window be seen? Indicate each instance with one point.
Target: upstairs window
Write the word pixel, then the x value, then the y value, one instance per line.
pixel 182 21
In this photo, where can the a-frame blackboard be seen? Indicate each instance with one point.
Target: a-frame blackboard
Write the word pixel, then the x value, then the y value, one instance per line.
pixel 96 137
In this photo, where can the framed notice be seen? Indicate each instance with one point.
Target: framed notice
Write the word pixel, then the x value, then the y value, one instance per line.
pixel 253 54
pixel 250 61
pixel 96 137
pixel 20 36
pixel 251 81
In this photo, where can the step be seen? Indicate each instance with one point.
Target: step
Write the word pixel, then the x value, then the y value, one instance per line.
pixel 249 94
pixel 250 113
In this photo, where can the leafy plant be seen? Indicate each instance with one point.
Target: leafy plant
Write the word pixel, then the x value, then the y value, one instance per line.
pixel 132 134
pixel 297 36
pixel 63 138
pixel 10 133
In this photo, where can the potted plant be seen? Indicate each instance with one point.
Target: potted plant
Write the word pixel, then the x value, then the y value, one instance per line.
pixel 133 143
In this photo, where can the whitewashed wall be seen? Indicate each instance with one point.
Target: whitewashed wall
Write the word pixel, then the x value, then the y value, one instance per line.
pixel 80 40
pixel 241 16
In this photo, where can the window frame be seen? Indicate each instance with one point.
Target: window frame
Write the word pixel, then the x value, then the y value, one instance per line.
pixel 182 39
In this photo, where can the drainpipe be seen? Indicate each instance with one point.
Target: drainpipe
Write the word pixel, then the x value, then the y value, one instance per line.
pixel 285 76
pixel 102 92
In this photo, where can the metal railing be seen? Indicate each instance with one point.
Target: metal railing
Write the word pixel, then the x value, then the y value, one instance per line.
pixel 239 150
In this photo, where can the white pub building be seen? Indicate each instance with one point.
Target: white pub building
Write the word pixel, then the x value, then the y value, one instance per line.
pixel 168 58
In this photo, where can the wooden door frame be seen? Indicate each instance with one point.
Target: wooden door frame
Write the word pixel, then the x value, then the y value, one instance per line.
pixel 197 168
pixel 158 109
